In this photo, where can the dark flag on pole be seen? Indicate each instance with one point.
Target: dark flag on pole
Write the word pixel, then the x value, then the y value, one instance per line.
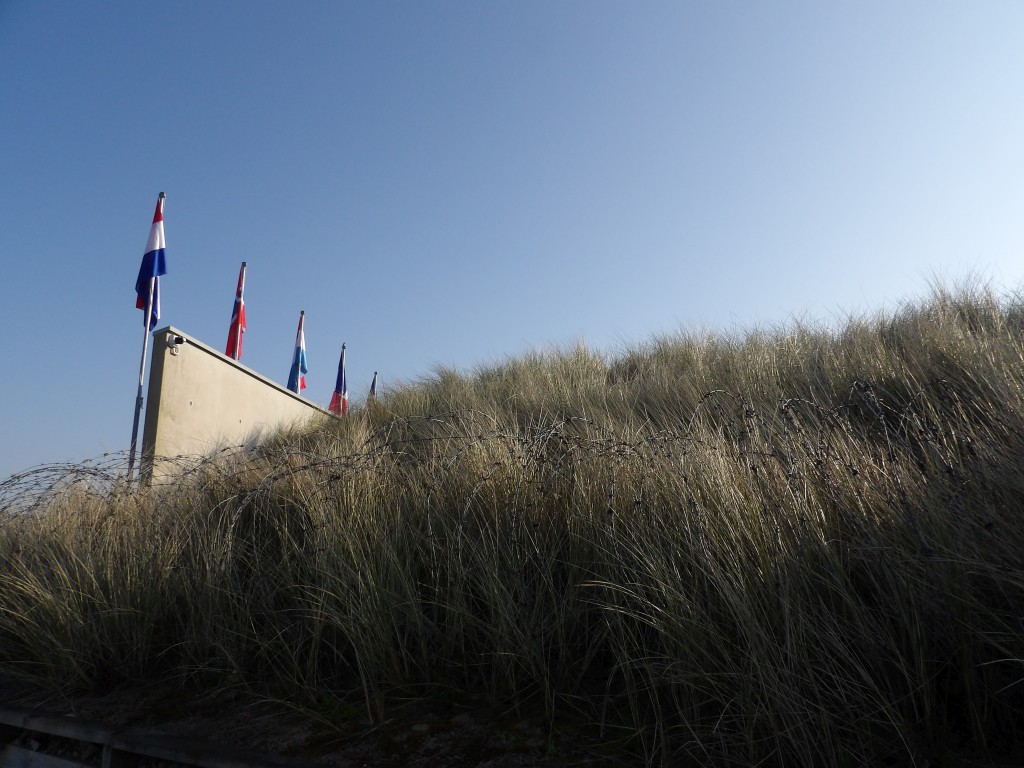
pixel 339 400
pixel 372 397
pixel 234 348
pixel 154 264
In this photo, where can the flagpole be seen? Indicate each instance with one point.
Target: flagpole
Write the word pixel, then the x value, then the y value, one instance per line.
pixel 344 382
pixel 145 341
pixel 142 376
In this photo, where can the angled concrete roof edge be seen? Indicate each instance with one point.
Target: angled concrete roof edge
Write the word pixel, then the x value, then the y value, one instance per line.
pixel 245 369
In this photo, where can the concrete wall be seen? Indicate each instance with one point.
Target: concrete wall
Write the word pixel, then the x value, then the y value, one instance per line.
pixel 199 401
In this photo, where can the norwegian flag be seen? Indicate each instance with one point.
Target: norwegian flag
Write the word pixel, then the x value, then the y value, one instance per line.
pixel 234 348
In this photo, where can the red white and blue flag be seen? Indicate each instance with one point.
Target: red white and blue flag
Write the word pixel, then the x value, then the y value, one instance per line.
pixel 234 348
pixel 339 400
pixel 297 376
pixel 154 264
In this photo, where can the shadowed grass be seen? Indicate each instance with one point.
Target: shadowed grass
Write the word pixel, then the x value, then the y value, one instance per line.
pixel 797 547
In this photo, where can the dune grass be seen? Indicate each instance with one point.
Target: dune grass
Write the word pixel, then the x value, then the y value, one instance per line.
pixel 798 547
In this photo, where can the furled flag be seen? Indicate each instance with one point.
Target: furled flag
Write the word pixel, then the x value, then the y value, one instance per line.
pixel 297 377
pixel 234 348
pixel 372 397
pixel 154 264
pixel 339 400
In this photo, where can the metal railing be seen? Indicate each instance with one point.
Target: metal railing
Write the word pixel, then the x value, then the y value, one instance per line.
pixel 34 739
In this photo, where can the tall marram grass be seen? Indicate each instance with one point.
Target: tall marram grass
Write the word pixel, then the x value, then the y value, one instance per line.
pixel 801 547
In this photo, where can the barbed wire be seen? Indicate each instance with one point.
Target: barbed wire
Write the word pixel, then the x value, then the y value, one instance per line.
pixel 790 431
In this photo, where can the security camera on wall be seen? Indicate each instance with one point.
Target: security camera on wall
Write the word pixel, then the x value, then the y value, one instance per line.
pixel 174 341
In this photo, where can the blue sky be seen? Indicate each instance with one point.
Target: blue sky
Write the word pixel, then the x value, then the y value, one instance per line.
pixel 451 183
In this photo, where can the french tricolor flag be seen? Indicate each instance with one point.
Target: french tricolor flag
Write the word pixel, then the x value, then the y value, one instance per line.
pixel 154 264
pixel 339 400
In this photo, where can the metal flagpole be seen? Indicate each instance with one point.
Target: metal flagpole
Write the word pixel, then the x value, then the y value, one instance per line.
pixel 344 382
pixel 142 376
pixel 142 362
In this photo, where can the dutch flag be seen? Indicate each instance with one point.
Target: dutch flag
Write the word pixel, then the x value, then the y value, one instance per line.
pixel 154 264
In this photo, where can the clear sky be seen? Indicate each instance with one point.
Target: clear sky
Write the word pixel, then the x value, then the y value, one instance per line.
pixel 451 183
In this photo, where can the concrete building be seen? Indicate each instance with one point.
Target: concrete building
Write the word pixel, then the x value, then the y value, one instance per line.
pixel 200 401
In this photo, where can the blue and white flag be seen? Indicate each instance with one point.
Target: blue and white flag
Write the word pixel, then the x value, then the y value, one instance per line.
pixel 297 376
